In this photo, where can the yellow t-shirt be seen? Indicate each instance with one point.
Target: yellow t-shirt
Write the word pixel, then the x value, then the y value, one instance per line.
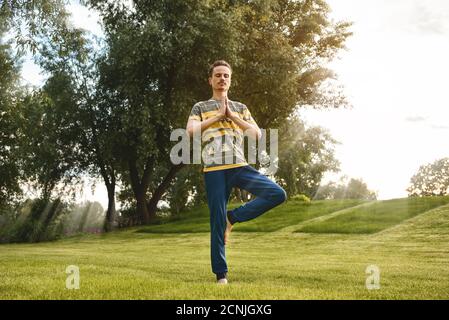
pixel 222 142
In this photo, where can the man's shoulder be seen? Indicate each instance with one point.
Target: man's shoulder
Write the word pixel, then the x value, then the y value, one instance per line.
pixel 240 107
pixel 238 103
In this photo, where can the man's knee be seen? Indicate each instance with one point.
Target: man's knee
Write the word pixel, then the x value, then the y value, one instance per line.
pixel 280 196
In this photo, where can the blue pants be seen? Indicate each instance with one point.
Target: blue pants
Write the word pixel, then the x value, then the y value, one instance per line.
pixel 218 188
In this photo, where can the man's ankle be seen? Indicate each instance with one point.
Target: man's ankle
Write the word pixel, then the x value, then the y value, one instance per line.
pixel 222 275
pixel 230 218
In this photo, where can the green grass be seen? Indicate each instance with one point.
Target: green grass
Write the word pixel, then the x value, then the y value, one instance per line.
pixel 375 216
pixel 412 255
pixel 289 213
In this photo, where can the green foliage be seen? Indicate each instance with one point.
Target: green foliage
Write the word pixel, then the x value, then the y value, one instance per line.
pixel 354 189
pixel 301 198
pixel 9 118
pixel 29 20
pixel 431 180
pixel 108 109
pixel 40 220
pixel 305 155
pixel 285 46
pixel 153 79
pixel 34 221
pixel 179 192
pixel 44 142
pixel 48 148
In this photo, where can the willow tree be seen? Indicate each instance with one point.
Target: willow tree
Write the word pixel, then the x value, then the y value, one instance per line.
pixel 9 122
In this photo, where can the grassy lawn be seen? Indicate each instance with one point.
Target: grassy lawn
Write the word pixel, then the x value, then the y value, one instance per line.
pixel 288 214
pixel 375 216
pixel 410 249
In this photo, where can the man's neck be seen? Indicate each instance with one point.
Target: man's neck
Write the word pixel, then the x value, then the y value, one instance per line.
pixel 219 95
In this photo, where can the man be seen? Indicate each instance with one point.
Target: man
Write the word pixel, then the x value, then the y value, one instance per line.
pixel 223 122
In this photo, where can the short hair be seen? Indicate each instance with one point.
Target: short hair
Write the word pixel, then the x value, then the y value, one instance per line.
pixel 218 63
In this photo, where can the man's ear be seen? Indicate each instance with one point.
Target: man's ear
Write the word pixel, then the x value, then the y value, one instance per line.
pixel 209 80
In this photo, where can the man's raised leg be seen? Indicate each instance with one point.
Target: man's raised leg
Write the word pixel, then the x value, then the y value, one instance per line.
pixel 268 193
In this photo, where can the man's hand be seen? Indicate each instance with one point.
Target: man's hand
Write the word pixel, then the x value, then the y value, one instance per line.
pixel 229 114
pixel 252 130
pixel 222 111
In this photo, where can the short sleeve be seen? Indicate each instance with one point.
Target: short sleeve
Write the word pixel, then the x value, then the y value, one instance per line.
pixel 247 116
pixel 195 114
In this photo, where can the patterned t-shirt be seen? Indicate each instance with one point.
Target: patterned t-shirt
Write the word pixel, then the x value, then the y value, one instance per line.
pixel 222 142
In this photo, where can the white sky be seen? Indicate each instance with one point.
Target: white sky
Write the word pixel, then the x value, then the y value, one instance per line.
pixel 395 75
pixel 394 72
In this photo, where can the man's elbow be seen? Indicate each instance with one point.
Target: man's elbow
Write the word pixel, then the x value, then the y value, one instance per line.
pixel 189 131
pixel 254 133
pixel 192 130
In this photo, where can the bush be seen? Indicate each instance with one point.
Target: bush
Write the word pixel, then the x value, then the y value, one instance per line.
pixel 301 198
pixel 33 221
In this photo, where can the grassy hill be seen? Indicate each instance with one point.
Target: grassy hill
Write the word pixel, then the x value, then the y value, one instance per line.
pixel 296 251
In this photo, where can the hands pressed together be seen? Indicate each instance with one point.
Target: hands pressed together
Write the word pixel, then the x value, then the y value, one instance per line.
pixel 225 111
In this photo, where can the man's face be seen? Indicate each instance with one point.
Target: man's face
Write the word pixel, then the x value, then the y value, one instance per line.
pixel 221 79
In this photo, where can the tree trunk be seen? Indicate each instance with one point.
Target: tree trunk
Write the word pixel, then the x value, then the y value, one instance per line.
pixel 108 174
pixel 142 210
pixel 110 213
pixel 162 188
pixel 140 187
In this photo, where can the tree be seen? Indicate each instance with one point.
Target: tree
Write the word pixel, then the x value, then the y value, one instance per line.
pixel 28 20
pixel 354 189
pixel 10 92
pixel 431 180
pixel 148 73
pixel 126 102
pixel 41 154
pixel 282 62
pixel 28 23
pixel 46 148
pixel 155 79
pixel 305 155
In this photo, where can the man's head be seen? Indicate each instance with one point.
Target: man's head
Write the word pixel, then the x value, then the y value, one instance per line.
pixel 220 75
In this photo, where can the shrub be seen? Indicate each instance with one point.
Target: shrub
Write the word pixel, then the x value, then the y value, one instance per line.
pixel 33 221
pixel 301 198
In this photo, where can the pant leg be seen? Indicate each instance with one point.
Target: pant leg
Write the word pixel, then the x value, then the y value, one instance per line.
pixel 269 194
pixel 218 190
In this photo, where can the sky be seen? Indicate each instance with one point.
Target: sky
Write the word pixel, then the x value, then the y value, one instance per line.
pixel 394 72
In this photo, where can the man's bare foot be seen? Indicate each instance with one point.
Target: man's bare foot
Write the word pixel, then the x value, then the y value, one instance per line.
pixel 228 230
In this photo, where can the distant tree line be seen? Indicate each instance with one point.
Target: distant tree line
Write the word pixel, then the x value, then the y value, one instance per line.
pixel 344 189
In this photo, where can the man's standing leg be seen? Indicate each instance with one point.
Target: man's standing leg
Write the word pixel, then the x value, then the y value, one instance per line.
pixel 268 193
pixel 218 191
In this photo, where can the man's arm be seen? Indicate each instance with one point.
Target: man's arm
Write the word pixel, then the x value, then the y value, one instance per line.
pixel 197 125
